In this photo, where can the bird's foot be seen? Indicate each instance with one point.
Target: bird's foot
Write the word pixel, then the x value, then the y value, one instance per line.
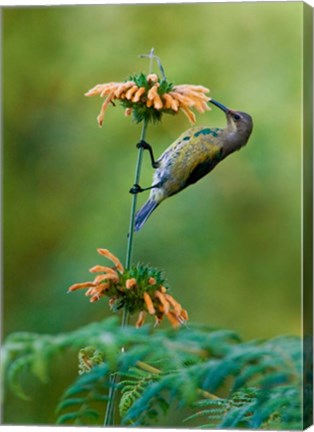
pixel 135 189
pixel 144 145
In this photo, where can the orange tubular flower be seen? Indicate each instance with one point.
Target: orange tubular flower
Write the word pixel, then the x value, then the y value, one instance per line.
pixel 112 258
pixel 101 283
pixel 149 96
pixel 141 319
pixel 149 303
pixel 163 301
pixel 138 289
pixel 130 283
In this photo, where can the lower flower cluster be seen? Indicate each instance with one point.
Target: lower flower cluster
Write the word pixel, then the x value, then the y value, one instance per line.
pixel 139 289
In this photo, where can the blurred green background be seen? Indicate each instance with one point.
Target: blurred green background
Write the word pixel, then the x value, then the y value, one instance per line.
pixel 230 245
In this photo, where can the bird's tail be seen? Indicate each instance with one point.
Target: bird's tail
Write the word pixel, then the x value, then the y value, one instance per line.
pixel 143 214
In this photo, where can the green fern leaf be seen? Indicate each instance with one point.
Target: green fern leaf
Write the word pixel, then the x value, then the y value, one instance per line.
pixel 14 374
pixel 237 416
pixel 91 387
pixel 207 413
pixel 68 417
pixel 68 403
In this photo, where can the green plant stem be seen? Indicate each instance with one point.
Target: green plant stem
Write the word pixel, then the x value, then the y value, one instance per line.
pixel 148 368
pixel 134 199
pixel 109 418
pixel 129 251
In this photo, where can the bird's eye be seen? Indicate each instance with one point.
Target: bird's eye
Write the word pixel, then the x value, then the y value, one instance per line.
pixel 237 117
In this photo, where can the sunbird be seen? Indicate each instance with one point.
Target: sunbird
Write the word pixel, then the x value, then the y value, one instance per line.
pixel 193 155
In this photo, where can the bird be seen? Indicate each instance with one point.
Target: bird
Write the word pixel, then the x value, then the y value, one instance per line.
pixel 194 154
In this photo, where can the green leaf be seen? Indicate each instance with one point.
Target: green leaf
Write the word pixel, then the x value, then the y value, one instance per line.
pixel 14 375
pixel 68 417
pixel 189 362
pixel 69 402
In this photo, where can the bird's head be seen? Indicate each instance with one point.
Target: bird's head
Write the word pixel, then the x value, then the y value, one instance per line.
pixel 237 121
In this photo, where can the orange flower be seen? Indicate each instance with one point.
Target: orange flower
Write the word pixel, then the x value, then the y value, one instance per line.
pixel 163 301
pixel 138 289
pixel 149 303
pixel 101 283
pixel 166 305
pixel 150 96
pixel 112 258
pixel 130 283
pixel 141 319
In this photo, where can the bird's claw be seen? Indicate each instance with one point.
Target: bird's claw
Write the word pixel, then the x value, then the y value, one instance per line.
pixel 135 189
pixel 143 144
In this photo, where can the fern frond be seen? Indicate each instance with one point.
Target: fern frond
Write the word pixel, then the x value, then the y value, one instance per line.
pixel 89 389
pixel 256 384
pixel 219 412
pixel 34 352
pixel 21 364
pixel 66 403
pixel 132 388
pixel 237 416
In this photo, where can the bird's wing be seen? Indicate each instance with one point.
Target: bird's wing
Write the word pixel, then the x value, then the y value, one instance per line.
pixel 205 163
pixel 178 144
pixel 189 158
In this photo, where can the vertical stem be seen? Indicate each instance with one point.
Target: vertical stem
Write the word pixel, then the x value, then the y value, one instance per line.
pixel 129 251
pixel 109 418
pixel 111 400
pixel 134 200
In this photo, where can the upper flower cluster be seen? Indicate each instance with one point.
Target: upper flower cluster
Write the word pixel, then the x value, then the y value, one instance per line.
pixel 148 96
pixel 139 289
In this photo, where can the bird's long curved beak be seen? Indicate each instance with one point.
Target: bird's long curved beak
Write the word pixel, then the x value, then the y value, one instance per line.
pixel 219 105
